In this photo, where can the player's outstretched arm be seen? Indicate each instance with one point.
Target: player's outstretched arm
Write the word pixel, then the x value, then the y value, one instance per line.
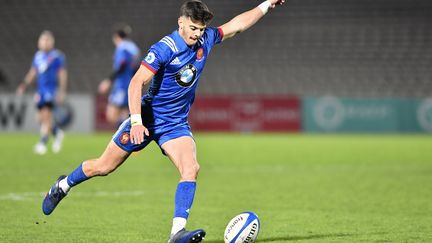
pixel 141 77
pixel 247 19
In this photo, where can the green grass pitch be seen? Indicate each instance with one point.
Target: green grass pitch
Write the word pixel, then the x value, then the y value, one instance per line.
pixel 304 188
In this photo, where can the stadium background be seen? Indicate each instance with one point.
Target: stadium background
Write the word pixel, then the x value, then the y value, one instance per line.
pixel 369 60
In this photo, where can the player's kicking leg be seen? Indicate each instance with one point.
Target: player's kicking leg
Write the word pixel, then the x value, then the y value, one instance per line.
pixel 112 157
pixel 182 152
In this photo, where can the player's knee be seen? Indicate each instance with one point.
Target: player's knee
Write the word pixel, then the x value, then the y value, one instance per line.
pixel 190 172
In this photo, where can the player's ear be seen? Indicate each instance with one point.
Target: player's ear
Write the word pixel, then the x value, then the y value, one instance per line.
pixel 180 22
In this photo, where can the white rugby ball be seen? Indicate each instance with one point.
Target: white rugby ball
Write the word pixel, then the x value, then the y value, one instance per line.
pixel 243 228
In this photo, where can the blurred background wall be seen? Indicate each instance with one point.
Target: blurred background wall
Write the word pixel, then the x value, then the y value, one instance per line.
pixel 337 59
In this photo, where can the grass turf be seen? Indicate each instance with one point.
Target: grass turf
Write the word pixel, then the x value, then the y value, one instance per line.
pixel 304 188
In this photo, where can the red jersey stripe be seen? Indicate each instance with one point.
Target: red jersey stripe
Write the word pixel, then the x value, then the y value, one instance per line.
pixel 149 67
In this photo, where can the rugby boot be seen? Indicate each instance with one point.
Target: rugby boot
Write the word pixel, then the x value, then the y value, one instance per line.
pixel 184 236
pixel 53 197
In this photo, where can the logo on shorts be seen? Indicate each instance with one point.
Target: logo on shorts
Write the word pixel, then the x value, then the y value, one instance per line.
pixel 124 138
pixel 200 54
pixel 150 58
pixel 186 76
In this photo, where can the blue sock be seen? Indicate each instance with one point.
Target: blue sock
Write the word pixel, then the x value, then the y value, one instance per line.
pixel 44 139
pixel 76 177
pixel 184 197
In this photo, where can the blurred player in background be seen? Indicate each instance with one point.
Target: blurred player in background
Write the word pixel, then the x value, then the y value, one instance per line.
pixel 126 62
pixel 48 68
pixel 173 65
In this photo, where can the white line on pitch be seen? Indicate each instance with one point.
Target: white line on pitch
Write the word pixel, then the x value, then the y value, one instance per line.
pixel 22 196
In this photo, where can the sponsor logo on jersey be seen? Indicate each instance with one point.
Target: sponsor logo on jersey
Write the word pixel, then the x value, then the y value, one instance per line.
pixel 200 54
pixel 124 138
pixel 43 62
pixel 176 61
pixel 150 58
pixel 186 76
pixel 42 67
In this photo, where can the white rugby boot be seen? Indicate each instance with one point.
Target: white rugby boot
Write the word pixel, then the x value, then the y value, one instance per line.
pixel 58 141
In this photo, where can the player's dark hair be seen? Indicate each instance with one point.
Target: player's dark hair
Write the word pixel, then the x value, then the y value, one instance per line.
pixel 197 11
pixel 122 30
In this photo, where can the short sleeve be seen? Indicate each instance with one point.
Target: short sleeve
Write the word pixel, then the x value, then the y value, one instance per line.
pixel 156 57
pixel 214 35
pixel 61 60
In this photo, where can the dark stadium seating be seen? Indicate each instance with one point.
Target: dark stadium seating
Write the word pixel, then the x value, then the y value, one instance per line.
pixel 308 47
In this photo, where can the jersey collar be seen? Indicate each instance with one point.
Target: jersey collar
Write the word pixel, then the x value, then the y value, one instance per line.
pixel 181 42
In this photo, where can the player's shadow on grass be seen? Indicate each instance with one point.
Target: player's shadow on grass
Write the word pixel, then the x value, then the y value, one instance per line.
pixel 293 238
pixel 304 237
pixel 314 236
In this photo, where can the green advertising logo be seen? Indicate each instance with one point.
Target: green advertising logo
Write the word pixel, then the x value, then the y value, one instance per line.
pixel 424 114
pixel 329 113
pixel 345 114
pixel 349 114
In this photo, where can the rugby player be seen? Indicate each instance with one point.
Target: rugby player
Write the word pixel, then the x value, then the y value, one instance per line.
pixel 173 66
pixel 126 60
pixel 49 69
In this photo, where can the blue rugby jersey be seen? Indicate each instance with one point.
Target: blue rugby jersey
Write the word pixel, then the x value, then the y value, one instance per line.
pixel 127 53
pixel 47 65
pixel 177 68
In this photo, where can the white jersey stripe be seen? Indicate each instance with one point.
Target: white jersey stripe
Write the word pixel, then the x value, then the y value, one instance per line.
pixel 169 44
pixel 172 41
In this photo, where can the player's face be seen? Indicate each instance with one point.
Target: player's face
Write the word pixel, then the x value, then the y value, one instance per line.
pixel 190 31
pixel 116 39
pixel 45 43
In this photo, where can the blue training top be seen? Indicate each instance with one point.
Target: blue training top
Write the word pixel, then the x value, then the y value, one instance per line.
pixel 47 65
pixel 177 68
pixel 126 53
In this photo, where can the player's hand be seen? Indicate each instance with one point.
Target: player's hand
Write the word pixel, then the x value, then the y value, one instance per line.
pixel 276 2
pixel 137 133
pixel 104 86
pixel 21 89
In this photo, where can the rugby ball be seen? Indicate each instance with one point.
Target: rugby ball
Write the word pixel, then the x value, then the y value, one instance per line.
pixel 243 228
